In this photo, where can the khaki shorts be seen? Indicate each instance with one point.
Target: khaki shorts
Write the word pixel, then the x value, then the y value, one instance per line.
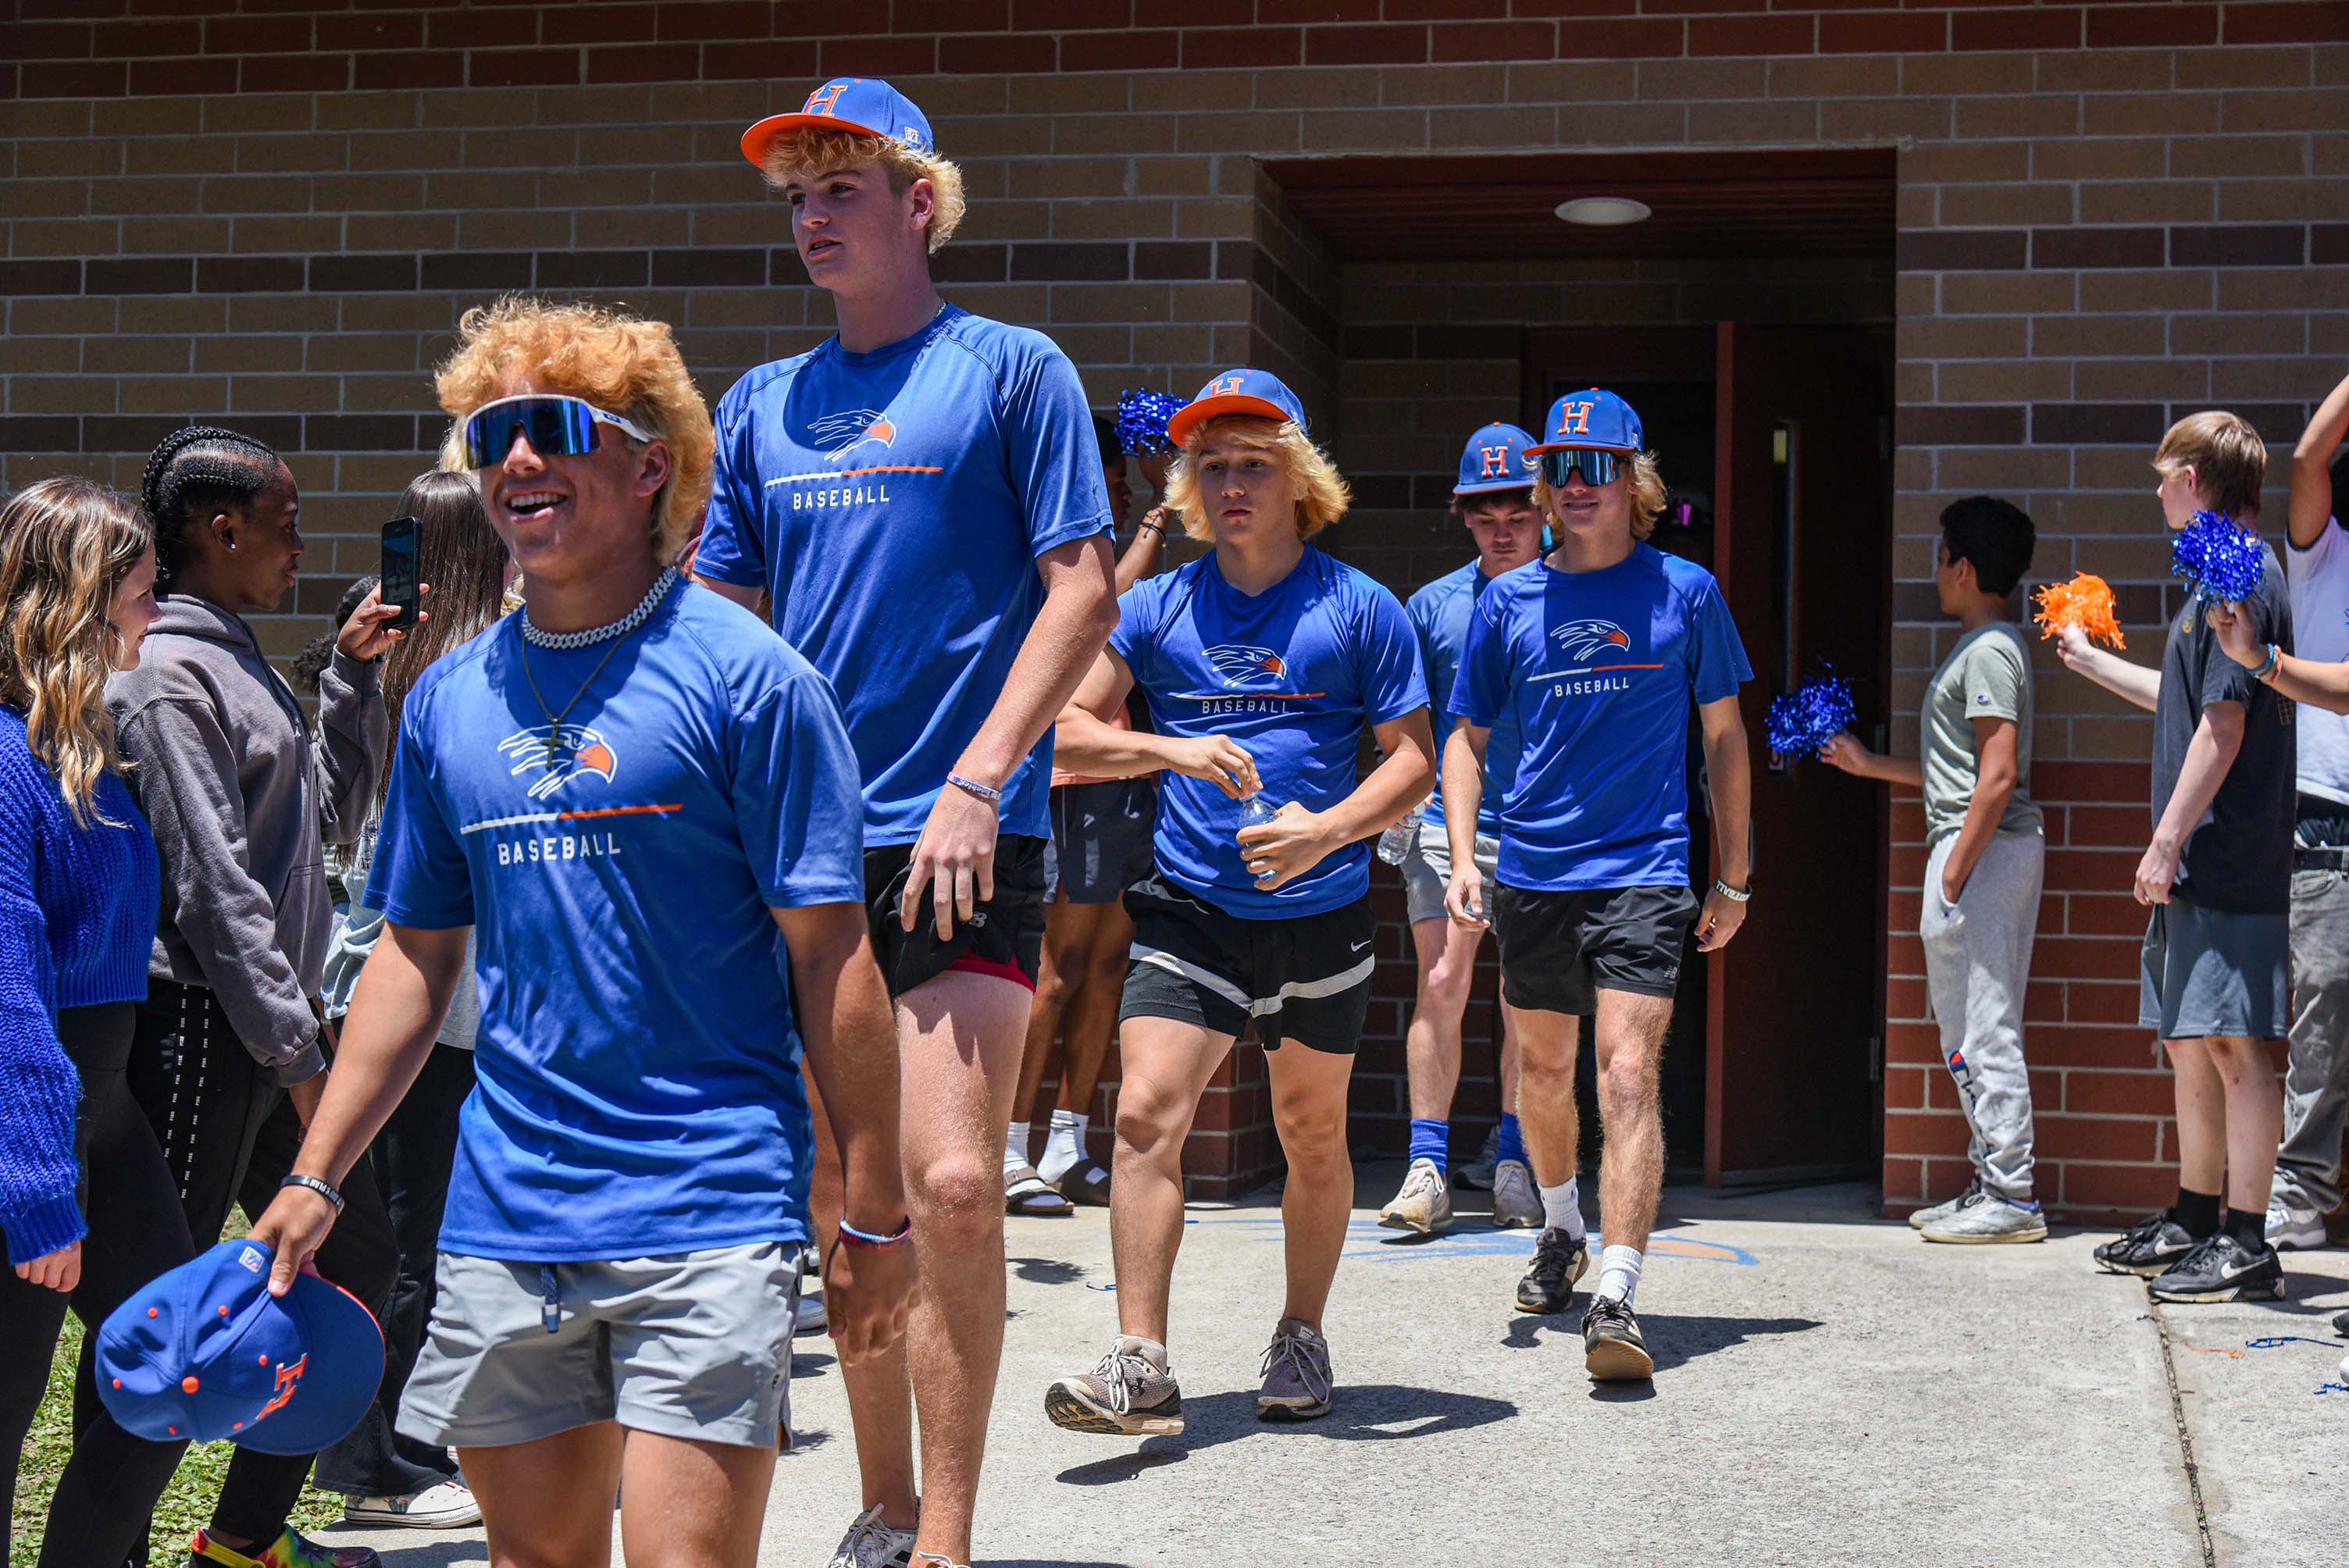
pixel 1427 873
pixel 695 1345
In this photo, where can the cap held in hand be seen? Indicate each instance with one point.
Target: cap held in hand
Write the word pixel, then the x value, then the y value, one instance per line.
pixel 205 1352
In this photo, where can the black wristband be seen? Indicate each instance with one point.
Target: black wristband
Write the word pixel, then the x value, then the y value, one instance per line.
pixel 311 1183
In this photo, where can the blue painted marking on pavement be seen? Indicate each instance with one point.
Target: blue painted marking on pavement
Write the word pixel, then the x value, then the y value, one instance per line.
pixel 1368 1239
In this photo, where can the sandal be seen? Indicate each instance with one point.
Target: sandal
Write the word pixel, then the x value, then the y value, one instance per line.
pixel 1026 1192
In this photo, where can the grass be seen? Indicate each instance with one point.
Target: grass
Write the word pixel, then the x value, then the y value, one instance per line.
pixel 186 1503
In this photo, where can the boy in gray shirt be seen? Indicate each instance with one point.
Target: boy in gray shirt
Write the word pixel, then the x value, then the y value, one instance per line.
pixel 1985 862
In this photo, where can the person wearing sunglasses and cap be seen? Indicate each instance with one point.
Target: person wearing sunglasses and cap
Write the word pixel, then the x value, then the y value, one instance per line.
pixel 921 497
pixel 1600 651
pixel 630 788
pixel 1262 662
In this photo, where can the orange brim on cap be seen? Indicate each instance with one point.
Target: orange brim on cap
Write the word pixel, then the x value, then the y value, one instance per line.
pixel 1180 423
pixel 1538 447
pixel 762 136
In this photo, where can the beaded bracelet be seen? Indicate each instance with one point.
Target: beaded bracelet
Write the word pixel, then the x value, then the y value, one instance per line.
pixel 851 1237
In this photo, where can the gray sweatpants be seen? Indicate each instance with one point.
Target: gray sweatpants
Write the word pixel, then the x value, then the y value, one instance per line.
pixel 2316 1082
pixel 1976 964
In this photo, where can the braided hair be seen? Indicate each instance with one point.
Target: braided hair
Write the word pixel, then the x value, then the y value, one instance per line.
pixel 201 466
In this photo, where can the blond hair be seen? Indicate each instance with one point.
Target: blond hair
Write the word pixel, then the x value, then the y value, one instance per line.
pixel 798 156
pixel 1323 495
pixel 2229 459
pixel 621 362
pixel 66 545
pixel 1647 494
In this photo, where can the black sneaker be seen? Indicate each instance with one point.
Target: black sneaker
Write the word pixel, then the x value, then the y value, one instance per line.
pixel 2223 1269
pixel 2147 1247
pixel 2340 1323
pixel 1559 1261
pixel 1612 1346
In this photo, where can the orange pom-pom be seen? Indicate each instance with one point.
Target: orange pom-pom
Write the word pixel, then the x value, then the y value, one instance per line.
pixel 2085 601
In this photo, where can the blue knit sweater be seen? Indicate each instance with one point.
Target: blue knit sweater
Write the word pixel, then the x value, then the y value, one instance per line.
pixel 78 911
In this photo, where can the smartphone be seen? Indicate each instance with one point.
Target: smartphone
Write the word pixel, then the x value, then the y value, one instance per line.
pixel 398 575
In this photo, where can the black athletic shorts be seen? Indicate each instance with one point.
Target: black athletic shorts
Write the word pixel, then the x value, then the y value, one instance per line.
pixel 1005 937
pixel 1307 979
pixel 1101 837
pixel 1559 950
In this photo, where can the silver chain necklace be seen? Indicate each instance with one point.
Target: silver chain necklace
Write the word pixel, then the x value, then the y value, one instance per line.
pixel 593 635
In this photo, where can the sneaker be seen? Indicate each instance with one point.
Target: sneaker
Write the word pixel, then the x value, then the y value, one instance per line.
pixel 1130 1394
pixel 1088 1188
pixel 2147 1247
pixel 1297 1386
pixel 1516 1201
pixel 1612 1346
pixel 442 1507
pixel 1479 1172
pixel 2341 1323
pixel 2223 1269
pixel 290 1549
pixel 809 1316
pixel 1986 1219
pixel 871 1544
pixel 1559 1260
pixel 1924 1217
pixel 1424 1205
pixel 2290 1225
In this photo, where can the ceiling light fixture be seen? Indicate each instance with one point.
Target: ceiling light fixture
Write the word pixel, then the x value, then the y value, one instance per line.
pixel 1603 211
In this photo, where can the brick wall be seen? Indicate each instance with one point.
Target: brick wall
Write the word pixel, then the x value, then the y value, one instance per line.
pixel 272 214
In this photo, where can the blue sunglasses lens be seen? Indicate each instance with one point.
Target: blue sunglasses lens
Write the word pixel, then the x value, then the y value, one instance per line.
pixel 1598 467
pixel 554 427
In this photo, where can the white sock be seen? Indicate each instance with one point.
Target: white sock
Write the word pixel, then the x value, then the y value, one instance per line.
pixel 1619 1273
pixel 1015 1147
pixel 1562 1209
pixel 1064 1145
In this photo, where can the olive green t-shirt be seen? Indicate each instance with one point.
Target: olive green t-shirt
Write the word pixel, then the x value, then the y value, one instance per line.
pixel 1986 676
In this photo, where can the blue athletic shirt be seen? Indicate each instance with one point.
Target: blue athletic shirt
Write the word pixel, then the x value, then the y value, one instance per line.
pixel 1440 612
pixel 638 1090
pixel 1293 675
pixel 1601 669
pixel 893 502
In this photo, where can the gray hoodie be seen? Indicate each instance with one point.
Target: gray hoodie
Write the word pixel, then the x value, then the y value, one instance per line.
pixel 241 789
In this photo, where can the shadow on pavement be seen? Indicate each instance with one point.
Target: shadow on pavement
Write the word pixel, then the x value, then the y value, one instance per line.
pixel 1046 1271
pixel 1672 1341
pixel 1375 1412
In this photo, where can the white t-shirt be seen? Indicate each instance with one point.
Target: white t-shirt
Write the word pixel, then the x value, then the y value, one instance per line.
pixel 2319 582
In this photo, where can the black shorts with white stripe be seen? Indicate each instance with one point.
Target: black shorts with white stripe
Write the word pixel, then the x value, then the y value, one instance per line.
pixel 1307 979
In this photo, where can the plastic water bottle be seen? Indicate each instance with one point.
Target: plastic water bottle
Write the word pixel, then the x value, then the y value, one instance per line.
pixel 1255 812
pixel 1396 844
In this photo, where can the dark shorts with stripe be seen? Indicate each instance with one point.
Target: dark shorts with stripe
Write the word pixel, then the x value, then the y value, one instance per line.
pixel 1559 950
pixel 1101 837
pixel 1004 938
pixel 1306 979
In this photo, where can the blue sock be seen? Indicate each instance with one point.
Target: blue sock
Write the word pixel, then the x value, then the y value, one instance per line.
pixel 1432 1139
pixel 1513 1140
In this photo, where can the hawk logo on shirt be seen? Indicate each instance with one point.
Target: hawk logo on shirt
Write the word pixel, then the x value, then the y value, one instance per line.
pixel 561 752
pixel 842 434
pixel 1588 639
pixel 1243 664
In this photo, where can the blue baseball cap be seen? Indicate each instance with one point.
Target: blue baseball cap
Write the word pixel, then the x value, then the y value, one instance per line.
pixel 1592 420
pixel 1494 460
pixel 1242 391
pixel 205 1352
pixel 860 106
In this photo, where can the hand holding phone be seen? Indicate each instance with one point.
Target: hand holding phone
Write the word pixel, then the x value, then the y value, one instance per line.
pixel 400 590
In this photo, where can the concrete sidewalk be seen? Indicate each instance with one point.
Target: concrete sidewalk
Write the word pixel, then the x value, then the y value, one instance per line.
pixel 1829 1389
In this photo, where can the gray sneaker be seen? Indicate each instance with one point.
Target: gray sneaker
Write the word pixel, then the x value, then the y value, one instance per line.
pixel 1986 1219
pixel 871 1544
pixel 1424 1205
pixel 1924 1217
pixel 1296 1385
pixel 1517 1200
pixel 1130 1394
pixel 1478 1172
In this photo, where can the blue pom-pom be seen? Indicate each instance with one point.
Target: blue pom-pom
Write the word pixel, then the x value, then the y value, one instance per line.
pixel 2223 562
pixel 1142 419
pixel 1804 720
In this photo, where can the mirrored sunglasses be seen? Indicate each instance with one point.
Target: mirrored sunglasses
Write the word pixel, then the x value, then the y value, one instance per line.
pixel 554 425
pixel 1598 466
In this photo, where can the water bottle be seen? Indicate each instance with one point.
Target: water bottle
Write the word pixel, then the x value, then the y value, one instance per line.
pixel 1396 844
pixel 1255 812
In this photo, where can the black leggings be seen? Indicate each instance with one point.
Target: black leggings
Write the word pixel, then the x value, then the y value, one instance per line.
pixel 412 1157
pixel 229 1135
pixel 112 1479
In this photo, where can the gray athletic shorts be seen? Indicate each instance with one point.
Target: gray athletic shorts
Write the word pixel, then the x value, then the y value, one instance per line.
pixel 2215 972
pixel 695 1345
pixel 1427 873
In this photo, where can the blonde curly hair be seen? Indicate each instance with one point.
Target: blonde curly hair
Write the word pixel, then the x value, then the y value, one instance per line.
pixel 1323 495
pixel 798 156
pixel 618 361
pixel 1647 494
pixel 66 545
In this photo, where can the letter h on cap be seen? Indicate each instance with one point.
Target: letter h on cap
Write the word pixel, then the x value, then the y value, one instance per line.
pixel 1226 388
pixel 1497 461
pixel 1574 418
pixel 823 99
